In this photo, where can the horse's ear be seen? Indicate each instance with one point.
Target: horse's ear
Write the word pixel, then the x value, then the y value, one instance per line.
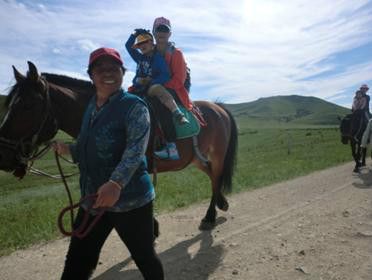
pixel 17 75
pixel 32 72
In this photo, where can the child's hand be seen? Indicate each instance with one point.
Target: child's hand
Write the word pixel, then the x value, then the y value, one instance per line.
pixel 147 80
pixel 139 31
pixel 144 81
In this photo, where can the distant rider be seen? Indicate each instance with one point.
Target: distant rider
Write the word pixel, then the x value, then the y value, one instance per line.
pixel 360 108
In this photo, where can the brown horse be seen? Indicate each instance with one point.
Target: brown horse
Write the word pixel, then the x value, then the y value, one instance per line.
pixel 39 105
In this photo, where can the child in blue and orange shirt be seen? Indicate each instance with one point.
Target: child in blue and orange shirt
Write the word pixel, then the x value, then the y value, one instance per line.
pixel 151 73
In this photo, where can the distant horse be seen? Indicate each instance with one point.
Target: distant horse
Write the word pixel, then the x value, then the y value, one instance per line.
pixel 38 106
pixel 352 127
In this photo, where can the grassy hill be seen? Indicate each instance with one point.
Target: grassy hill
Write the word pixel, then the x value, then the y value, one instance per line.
pixel 288 110
pixel 293 110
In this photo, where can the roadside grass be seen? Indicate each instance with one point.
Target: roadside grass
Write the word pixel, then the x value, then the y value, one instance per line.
pixel 29 208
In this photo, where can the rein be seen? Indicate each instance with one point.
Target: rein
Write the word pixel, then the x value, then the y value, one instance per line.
pixel 84 228
pixel 39 172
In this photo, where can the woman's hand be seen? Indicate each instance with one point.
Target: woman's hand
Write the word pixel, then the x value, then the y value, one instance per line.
pixel 61 148
pixel 108 195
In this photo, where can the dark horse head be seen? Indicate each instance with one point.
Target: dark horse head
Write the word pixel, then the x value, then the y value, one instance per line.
pixel 28 121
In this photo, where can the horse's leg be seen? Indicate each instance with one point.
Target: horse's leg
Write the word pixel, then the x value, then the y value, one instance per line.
pixel 355 154
pixel 218 141
pixel 214 172
pixel 229 163
pixel 364 153
pixel 156 228
pixel 358 154
pixel 209 221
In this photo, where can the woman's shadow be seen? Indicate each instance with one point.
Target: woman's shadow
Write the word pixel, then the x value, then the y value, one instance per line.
pixel 195 258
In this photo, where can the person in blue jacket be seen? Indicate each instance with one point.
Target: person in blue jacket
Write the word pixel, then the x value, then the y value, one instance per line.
pixel 151 74
pixel 110 152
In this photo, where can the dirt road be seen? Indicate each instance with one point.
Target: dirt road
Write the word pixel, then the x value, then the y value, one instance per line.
pixel 314 227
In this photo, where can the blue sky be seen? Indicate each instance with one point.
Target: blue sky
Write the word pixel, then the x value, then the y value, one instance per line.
pixel 238 51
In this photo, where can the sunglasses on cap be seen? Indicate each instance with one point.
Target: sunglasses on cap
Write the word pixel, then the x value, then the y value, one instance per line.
pixel 162 28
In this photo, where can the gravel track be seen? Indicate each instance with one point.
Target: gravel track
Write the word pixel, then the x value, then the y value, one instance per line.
pixel 314 227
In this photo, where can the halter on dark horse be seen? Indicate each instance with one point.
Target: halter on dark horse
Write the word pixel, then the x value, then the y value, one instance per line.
pixel 352 128
pixel 17 147
pixel 40 105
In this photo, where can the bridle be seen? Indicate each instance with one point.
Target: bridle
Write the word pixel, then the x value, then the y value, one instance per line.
pixel 27 149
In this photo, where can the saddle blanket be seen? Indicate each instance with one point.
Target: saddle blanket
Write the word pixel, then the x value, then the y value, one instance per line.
pixel 189 129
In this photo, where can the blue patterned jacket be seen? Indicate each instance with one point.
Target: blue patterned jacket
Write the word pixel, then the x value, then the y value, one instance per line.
pixel 111 146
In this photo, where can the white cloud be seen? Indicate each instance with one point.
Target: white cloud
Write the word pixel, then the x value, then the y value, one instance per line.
pixel 87 45
pixel 57 51
pixel 238 51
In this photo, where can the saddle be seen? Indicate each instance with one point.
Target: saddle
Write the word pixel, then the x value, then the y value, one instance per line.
pixel 164 125
pixel 165 129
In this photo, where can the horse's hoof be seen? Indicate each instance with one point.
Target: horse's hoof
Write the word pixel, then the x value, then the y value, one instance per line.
pixel 356 170
pixel 206 225
pixel 222 204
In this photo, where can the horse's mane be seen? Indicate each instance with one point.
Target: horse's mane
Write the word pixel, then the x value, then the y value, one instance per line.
pixel 81 87
pixel 9 97
pixel 76 85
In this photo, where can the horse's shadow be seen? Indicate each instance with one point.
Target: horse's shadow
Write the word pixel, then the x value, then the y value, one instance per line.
pixel 366 179
pixel 194 258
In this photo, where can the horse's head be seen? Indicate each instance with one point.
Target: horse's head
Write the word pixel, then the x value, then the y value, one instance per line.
pixel 28 121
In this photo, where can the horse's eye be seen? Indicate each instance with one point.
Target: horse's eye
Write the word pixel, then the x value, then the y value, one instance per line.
pixel 26 106
pixel 29 104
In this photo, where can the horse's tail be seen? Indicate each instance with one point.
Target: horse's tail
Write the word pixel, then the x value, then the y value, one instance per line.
pixel 231 155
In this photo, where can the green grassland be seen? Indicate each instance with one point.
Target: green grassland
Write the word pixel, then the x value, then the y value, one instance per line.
pixel 270 150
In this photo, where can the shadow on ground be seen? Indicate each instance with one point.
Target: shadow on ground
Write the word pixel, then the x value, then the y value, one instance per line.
pixel 365 175
pixel 195 258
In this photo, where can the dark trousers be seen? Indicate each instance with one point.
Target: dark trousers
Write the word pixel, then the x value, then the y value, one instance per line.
pixel 161 114
pixel 135 229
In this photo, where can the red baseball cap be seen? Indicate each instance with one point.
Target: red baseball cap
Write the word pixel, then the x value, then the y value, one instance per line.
pixel 104 52
pixel 161 21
